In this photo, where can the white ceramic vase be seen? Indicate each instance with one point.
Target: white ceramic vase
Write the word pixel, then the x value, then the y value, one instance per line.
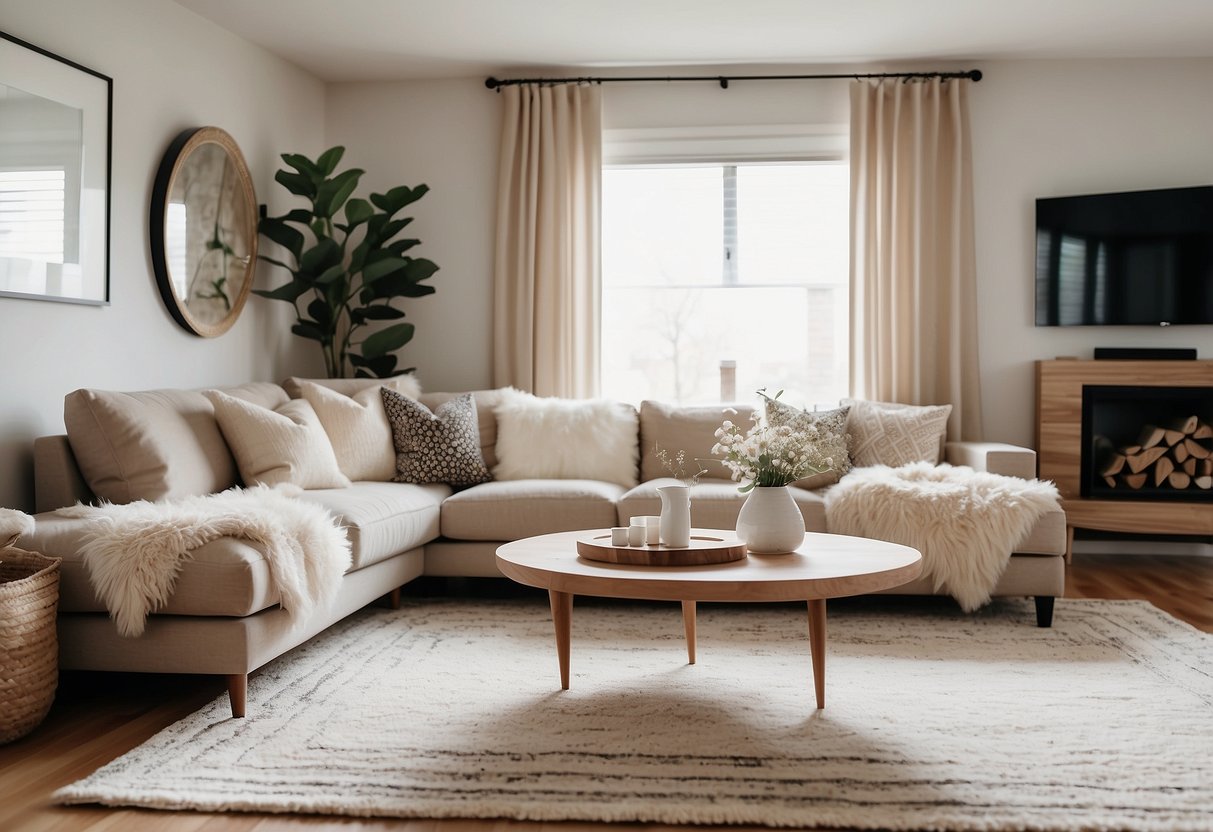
pixel 770 522
pixel 675 515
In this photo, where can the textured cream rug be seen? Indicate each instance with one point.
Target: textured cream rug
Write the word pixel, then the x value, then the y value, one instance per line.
pixel 934 720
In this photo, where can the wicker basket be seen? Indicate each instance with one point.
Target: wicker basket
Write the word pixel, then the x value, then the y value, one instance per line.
pixel 29 648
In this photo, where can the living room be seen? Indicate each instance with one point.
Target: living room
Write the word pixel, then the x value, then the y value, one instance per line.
pixel 1120 107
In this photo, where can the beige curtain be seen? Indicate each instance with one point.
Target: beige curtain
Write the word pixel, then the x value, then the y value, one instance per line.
pixel 913 270
pixel 546 267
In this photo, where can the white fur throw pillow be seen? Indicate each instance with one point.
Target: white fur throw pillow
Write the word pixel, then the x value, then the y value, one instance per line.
pixel 358 429
pixel 551 438
pixel 283 445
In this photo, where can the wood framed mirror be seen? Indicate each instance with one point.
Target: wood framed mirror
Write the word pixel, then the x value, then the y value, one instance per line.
pixel 204 230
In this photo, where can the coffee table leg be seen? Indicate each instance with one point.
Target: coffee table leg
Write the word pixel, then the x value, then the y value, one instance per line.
pixel 562 617
pixel 817 646
pixel 688 624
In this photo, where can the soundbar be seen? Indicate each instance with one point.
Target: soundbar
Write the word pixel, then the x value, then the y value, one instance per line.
pixel 1145 353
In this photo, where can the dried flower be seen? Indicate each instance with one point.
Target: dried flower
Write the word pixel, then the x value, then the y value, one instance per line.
pixel 677 465
pixel 767 455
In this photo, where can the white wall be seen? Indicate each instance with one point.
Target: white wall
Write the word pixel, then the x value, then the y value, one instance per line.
pixel 1040 128
pixel 171 70
pixel 1053 128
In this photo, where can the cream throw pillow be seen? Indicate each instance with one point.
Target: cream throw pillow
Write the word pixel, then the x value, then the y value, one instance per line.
pixel 283 445
pixel 585 439
pixel 884 433
pixel 357 428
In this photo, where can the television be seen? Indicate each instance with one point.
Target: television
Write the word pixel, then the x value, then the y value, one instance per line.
pixel 1135 258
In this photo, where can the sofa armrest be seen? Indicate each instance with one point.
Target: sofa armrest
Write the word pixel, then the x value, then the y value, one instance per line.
pixel 993 457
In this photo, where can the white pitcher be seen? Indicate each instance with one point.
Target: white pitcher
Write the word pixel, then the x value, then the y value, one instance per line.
pixel 675 515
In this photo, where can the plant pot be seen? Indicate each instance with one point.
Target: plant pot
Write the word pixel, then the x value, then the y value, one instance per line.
pixel 770 522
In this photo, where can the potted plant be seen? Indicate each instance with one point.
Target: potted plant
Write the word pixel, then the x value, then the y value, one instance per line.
pixel 347 279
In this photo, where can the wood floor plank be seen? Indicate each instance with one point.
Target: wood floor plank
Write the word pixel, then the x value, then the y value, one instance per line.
pixel 98 717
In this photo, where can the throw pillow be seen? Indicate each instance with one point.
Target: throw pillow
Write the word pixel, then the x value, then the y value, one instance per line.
pixel 283 445
pixel 552 438
pixel 440 446
pixel 884 433
pixel 690 429
pixel 833 421
pixel 406 384
pixel 358 429
pixel 154 444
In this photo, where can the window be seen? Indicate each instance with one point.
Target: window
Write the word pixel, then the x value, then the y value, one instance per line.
pixel 711 263
pixel 31 215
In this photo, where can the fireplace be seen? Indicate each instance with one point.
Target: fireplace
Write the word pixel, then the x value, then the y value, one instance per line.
pixel 1147 443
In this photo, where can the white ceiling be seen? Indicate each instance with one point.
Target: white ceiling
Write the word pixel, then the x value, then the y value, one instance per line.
pixel 351 40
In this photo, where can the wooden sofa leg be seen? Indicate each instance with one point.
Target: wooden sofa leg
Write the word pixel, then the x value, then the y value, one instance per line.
pixel 394 598
pixel 237 691
pixel 1044 610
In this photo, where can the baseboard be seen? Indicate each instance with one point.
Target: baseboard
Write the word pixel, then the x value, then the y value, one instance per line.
pixel 1142 547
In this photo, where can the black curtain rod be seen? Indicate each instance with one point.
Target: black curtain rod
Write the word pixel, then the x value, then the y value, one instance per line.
pixel 723 80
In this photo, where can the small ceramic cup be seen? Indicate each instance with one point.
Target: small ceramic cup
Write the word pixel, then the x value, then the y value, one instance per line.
pixel 619 536
pixel 635 535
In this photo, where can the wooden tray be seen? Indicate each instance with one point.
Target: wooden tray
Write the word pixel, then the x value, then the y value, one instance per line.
pixel 707 546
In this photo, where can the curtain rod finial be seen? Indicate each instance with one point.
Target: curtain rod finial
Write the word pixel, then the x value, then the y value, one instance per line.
pixel 492 83
pixel 975 74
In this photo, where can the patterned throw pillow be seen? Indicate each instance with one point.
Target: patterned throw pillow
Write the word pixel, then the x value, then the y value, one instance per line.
pixel 883 433
pixel 443 446
pixel 834 421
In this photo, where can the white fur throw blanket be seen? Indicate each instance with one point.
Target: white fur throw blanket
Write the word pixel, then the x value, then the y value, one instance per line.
pixel 134 551
pixel 966 523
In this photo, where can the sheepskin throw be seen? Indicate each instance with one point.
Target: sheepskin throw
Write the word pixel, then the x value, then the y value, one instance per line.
pixel 966 523
pixel 134 551
pixel 13 524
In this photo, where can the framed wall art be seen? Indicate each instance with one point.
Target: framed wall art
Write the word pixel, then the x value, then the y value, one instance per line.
pixel 55 158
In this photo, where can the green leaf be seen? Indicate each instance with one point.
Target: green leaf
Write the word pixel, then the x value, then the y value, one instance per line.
pixel 320 257
pixel 304 165
pixel 401 246
pixel 333 193
pixel 276 262
pixel 327 162
pixel 415 290
pixel 331 274
pixel 420 269
pixel 289 292
pixel 391 229
pixel 296 183
pixel 282 234
pixel 379 312
pixel 397 198
pixel 309 330
pixel 358 211
pixel 382 366
pixel 387 340
pixel 382 267
pixel 322 313
pixel 298 215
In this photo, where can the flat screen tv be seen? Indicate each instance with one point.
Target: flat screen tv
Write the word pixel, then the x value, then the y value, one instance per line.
pixel 1142 258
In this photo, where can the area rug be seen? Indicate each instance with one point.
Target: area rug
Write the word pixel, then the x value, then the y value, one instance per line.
pixel 934 720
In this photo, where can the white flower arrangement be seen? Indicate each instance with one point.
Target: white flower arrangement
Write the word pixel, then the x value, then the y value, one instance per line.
pixel 767 456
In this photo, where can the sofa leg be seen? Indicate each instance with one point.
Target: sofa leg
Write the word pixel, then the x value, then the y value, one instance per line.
pixel 237 692
pixel 1044 610
pixel 393 598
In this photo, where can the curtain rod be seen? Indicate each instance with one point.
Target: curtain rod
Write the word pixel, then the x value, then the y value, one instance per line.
pixel 497 83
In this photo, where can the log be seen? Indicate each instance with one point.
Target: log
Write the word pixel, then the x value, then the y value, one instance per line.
pixel 1133 480
pixel 1204 467
pixel 1205 482
pixel 1196 449
pixel 1151 435
pixel 1179 479
pixel 1129 450
pixel 1180 452
pixel 1171 437
pixel 1141 460
pixel 1189 466
pixel 1111 481
pixel 1184 426
pixel 1113 466
pixel 1162 469
pixel 1203 431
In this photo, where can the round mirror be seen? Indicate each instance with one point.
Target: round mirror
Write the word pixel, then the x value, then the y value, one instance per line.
pixel 204 230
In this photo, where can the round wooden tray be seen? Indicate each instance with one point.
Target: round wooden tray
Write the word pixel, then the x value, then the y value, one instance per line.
pixel 707 546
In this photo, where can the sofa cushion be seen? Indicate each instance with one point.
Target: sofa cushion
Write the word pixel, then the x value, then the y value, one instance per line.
pixel 575 439
pixel 407 385
pixel 691 429
pixel 439 446
pixel 154 444
pixel 513 509
pixel 383 518
pixel 357 428
pixel 486 418
pixel 885 433
pixel 225 577
pixel 714 504
pixel 276 446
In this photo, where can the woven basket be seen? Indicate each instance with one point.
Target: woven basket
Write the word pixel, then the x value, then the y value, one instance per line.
pixel 29 648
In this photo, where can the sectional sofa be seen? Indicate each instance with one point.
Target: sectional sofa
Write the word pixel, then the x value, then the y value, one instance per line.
pixel 223 616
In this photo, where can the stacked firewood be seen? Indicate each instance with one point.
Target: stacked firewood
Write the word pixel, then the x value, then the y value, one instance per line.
pixel 1177 454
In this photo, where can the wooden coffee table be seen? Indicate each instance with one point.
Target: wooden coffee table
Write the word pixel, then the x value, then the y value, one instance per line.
pixel 825 566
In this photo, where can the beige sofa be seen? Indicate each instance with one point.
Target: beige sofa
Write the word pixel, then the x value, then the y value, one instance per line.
pixel 223 616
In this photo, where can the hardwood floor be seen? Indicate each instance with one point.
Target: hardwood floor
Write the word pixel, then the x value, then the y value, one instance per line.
pixel 98 717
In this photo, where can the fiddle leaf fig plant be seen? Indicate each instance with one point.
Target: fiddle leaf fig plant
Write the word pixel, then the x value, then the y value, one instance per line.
pixel 349 267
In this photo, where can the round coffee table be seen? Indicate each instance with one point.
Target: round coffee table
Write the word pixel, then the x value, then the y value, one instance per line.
pixel 824 566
